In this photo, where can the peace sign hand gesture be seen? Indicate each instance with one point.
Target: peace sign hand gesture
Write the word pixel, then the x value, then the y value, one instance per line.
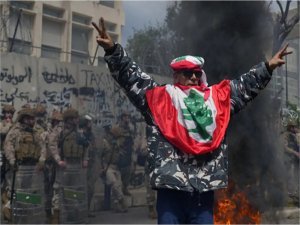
pixel 104 40
pixel 277 59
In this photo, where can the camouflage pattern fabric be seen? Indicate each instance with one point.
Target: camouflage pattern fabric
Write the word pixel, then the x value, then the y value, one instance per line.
pixel 14 140
pixel 169 167
pixel 110 158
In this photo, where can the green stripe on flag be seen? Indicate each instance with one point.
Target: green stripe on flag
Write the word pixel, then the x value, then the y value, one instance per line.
pixel 28 198
pixel 73 194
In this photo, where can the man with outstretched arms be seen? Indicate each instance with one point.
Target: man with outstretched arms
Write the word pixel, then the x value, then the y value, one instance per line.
pixel 188 121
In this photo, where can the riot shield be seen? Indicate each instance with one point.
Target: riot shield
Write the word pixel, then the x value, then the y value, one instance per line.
pixel 27 203
pixel 74 195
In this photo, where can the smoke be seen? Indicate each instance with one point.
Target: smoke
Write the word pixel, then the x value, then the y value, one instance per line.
pixel 232 37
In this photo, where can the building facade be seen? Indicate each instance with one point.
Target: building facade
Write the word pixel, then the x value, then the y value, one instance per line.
pixel 60 30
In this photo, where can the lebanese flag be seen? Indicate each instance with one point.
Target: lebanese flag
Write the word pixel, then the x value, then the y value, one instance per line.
pixel 192 118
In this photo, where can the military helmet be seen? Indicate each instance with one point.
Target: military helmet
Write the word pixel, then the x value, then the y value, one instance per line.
pixel 8 108
pixel 56 115
pixel 40 110
pixel 70 113
pixel 25 112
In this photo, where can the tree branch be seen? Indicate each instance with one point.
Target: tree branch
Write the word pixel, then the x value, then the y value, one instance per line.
pixel 281 9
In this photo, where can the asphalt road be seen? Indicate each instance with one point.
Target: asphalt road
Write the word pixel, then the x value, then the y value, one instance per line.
pixel 135 215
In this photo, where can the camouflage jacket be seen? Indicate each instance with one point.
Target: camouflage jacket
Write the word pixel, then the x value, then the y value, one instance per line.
pixel 52 143
pixel 4 128
pixel 22 142
pixel 169 167
pixel 72 145
pixel 110 152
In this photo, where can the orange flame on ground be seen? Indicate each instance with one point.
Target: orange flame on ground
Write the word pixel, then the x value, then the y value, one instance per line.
pixel 234 208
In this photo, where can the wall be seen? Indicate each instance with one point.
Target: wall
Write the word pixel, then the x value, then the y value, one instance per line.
pixel 58 85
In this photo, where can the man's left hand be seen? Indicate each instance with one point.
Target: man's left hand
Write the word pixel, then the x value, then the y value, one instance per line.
pixel 277 59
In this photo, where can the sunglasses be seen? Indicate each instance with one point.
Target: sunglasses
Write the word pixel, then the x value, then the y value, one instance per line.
pixel 189 73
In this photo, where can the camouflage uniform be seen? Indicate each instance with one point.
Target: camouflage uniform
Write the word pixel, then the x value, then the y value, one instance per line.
pixel 292 156
pixel 126 145
pixel 52 160
pixel 110 158
pixel 141 147
pixel 5 126
pixel 169 167
pixel 85 125
pixel 69 199
pixel 24 151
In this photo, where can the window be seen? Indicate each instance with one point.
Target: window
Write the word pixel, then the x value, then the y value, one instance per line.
pixel 22 4
pixel 110 26
pixel 51 11
pixel 51 38
pixel 107 3
pixel 81 19
pixel 80 45
pixel 50 52
pixel 114 37
pixel 23 38
pixel 20 46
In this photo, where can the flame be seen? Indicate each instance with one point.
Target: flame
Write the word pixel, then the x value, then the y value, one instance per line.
pixel 234 208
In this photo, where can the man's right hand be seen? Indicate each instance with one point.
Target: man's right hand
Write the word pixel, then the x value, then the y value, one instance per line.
pixel 104 40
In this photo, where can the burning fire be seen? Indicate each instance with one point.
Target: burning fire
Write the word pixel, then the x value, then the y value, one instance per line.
pixel 234 208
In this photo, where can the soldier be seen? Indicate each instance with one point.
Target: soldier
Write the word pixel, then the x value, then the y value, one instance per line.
pixel 110 158
pixel 69 200
pixel 142 153
pixel 41 128
pixel 292 156
pixel 125 162
pixel 5 124
pixel 41 121
pixel 25 153
pixel 85 127
pixel 52 160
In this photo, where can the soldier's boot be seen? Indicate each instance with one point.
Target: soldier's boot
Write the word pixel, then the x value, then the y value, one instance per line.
pixel 120 206
pixel 6 213
pixel 6 210
pixel 48 216
pixel 124 205
pixel 55 217
pixel 125 191
pixel 152 214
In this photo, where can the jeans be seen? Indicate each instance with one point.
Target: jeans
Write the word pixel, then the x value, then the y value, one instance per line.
pixel 179 207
